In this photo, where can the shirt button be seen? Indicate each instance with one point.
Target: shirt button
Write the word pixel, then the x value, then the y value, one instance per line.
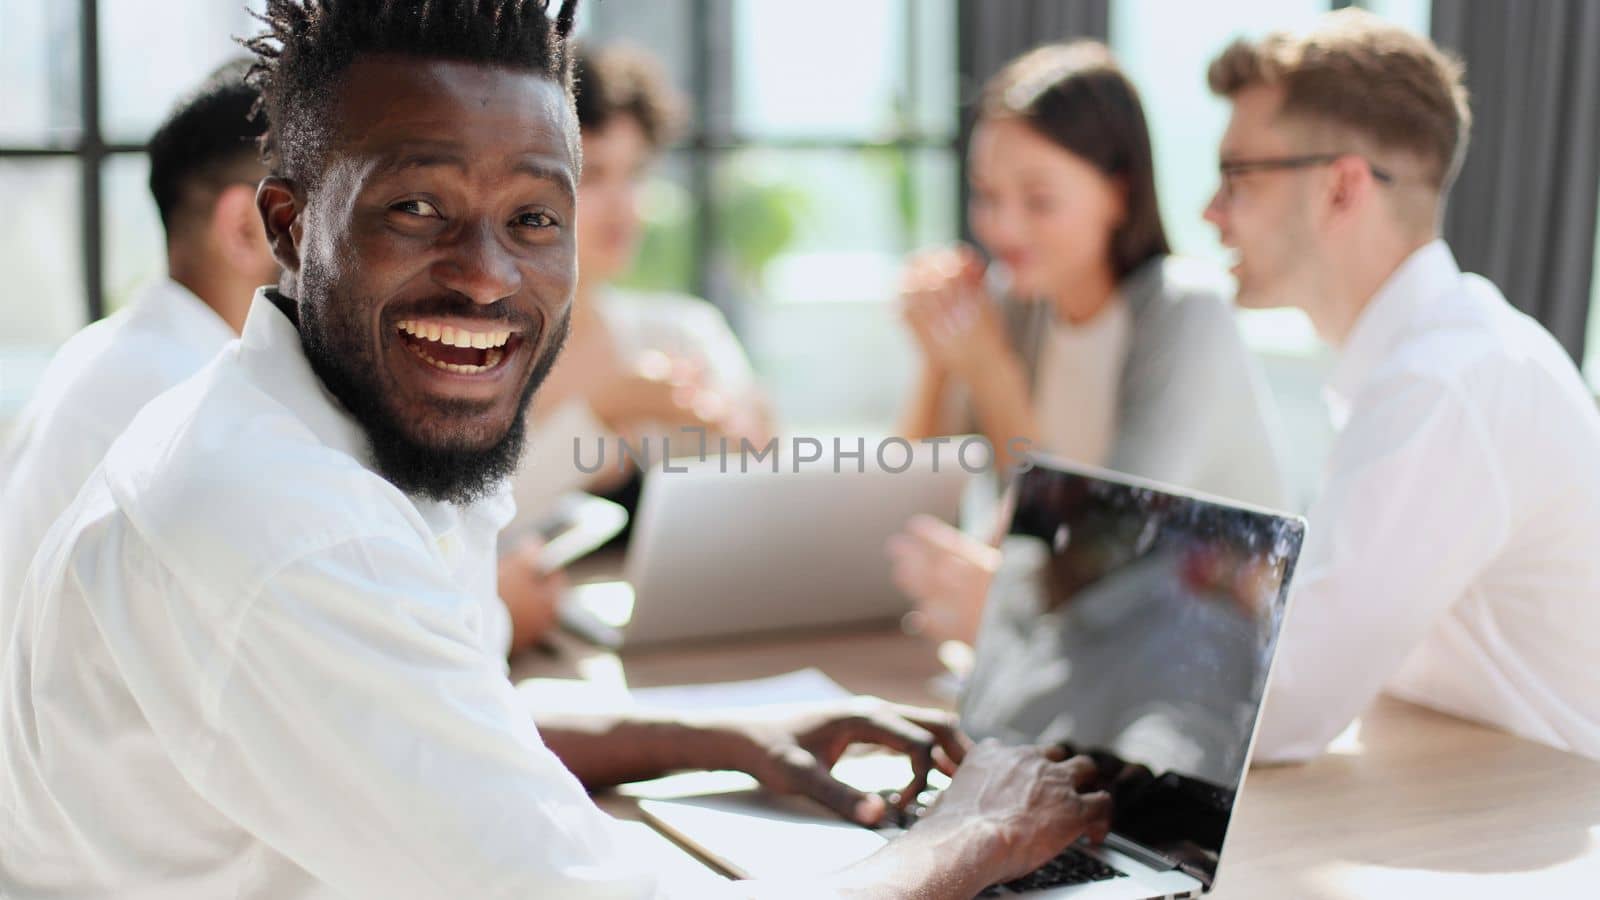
pixel 449 546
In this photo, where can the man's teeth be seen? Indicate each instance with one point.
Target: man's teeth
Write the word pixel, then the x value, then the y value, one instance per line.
pixel 455 337
pixel 490 360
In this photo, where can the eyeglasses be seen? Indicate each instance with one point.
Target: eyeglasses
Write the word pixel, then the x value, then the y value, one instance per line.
pixel 1231 169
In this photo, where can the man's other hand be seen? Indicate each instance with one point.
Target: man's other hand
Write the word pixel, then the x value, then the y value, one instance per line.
pixel 531 595
pixel 792 749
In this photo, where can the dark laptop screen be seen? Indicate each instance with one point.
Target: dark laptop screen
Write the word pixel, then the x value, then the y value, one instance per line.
pixel 1136 625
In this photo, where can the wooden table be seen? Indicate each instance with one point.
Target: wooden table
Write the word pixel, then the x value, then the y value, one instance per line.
pixel 1409 803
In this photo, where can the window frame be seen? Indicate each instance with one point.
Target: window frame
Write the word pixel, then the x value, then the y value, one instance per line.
pixel 90 150
pixel 707 149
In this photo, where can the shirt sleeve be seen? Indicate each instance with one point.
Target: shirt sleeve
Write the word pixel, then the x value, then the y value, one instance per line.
pixel 724 358
pixel 361 732
pixel 45 466
pixel 1412 508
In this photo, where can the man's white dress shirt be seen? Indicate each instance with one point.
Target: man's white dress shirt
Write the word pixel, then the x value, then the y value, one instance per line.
pixel 248 666
pixel 93 386
pixel 1454 556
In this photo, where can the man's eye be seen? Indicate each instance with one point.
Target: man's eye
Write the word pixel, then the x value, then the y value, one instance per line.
pixel 418 208
pixel 535 220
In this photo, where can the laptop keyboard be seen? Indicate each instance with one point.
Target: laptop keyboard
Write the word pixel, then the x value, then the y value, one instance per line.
pixel 1071 866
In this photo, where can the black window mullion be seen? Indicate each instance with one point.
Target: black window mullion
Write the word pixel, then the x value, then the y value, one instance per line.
pixel 700 174
pixel 36 153
pixel 966 55
pixel 911 22
pixel 93 150
pixel 909 122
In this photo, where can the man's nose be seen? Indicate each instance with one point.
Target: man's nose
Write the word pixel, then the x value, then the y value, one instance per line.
pixel 479 266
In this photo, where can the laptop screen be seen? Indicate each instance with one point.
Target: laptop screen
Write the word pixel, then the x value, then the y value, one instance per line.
pixel 1136 625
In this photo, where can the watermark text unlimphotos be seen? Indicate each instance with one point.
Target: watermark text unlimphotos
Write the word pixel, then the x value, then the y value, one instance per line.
pixel 973 453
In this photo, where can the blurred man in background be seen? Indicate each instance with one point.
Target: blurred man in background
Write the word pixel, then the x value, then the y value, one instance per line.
pixel 204 166
pixel 1451 558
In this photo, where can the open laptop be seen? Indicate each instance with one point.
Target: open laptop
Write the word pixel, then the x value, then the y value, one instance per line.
pixel 1134 622
pixel 724 548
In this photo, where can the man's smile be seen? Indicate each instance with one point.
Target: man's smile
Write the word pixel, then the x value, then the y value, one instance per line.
pixel 460 347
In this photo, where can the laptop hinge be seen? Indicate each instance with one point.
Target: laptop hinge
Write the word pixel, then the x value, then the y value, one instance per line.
pixel 1156 860
pixel 1140 852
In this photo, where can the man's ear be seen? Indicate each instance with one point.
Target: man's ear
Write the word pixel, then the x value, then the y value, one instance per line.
pixel 236 227
pixel 281 202
pixel 1352 183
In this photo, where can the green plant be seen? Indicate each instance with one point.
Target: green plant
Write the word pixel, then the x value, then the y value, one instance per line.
pixel 759 218
pixel 665 261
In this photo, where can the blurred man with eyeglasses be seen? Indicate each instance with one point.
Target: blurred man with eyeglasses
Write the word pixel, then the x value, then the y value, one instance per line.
pixel 1451 558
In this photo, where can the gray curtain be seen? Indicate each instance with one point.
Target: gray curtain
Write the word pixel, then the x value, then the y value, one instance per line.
pixel 993 32
pixel 1523 211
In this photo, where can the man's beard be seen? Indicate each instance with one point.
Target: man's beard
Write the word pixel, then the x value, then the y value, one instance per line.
pixel 334 336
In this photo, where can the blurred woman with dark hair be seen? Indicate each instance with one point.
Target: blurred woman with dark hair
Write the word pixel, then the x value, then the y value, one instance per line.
pixel 1082 335
pixel 637 366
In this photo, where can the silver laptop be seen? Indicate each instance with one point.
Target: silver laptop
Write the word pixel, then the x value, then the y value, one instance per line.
pixel 721 549
pixel 1130 621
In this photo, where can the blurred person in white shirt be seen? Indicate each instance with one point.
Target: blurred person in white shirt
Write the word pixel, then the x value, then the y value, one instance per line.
pixel 251 659
pixel 204 166
pixel 1451 558
pixel 638 365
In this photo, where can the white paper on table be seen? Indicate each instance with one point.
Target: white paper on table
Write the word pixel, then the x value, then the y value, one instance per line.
pixel 566 695
pixel 677 873
pixel 800 686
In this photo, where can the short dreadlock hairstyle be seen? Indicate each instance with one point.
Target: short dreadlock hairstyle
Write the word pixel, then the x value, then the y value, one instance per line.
pixel 309 44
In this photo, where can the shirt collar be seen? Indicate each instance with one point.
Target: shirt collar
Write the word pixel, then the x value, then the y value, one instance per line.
pixel 1424 276
pixel 184 315
pixel 271 351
